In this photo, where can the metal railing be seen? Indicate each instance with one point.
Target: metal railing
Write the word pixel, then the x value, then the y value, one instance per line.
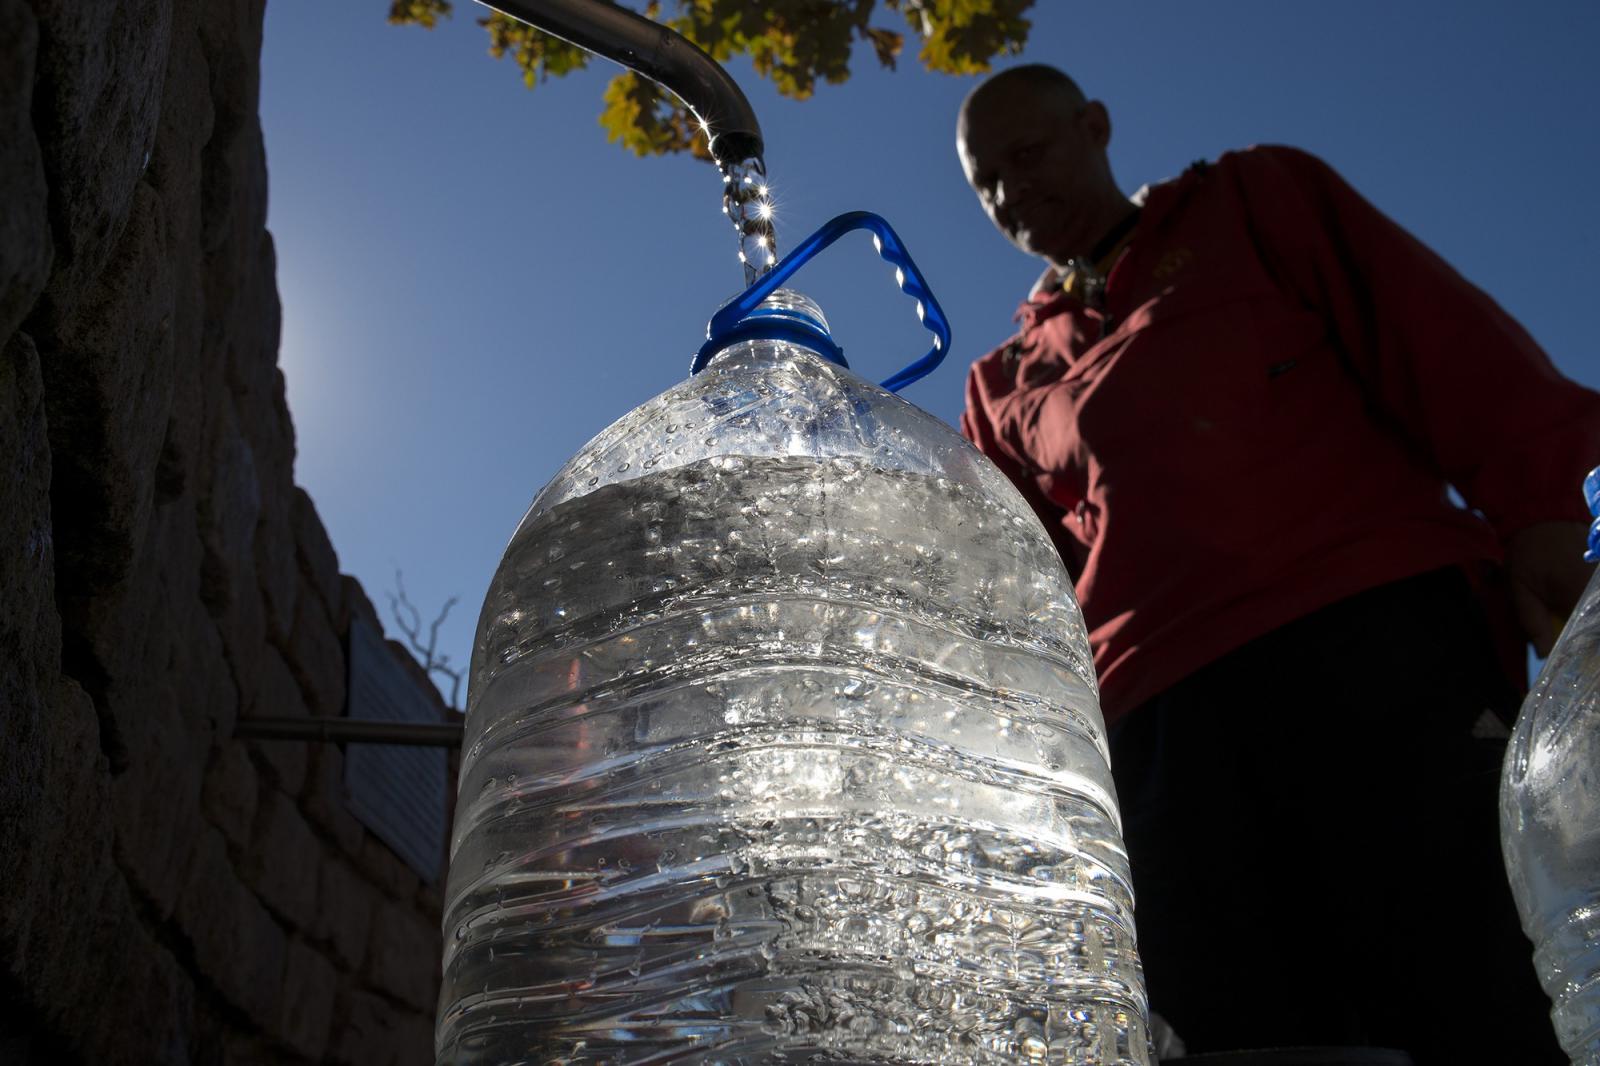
pixel 351 731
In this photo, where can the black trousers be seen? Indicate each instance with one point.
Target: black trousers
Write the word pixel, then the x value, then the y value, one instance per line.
pixel 1313 828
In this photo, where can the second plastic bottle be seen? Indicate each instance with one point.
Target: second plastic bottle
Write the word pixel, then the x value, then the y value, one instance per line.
pixel 1550 819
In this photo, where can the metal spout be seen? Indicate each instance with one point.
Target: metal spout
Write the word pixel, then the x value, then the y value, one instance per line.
pixel 657 53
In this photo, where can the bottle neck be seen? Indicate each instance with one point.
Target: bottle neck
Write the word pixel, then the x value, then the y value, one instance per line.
pixel 785 316
pixel 786 322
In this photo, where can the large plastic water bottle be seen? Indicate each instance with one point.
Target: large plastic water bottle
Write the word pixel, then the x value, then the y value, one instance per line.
pixel 1550 819
pixel 783 745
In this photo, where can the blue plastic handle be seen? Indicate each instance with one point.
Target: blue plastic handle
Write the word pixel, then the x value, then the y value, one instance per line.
pixel 731 324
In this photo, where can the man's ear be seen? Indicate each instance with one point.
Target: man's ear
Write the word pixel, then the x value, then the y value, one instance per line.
pixel 1097 123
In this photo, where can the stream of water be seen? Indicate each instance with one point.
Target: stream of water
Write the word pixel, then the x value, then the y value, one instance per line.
pixel 747 201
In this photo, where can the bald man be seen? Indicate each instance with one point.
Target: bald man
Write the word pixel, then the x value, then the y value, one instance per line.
pixel 1239 401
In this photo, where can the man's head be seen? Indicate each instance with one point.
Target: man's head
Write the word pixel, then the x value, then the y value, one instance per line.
pixel 1034 150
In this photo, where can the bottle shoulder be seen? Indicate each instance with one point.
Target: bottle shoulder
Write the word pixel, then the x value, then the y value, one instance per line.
pixel 767 399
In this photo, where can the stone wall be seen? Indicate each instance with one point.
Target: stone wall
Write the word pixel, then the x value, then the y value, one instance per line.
pixel 169 894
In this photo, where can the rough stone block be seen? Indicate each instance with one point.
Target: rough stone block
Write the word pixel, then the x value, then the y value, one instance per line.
pixel 58 836
pixel 229 497
pixel 214 1023
pixel 278 696
pixel 120 645
pixel 276 571
pixel 316 657
pixel 229 506
pixel 185 124
pixel 30 631
pixel 344 913
pixel 243 632
pixel 254 378
pixel 281 864
pixel 387 870
pixel 199 671
pixel 314 553
pixel 66 854
pixel 108 371
pixel 309 983
pixel 100 68
pixel 403 956
pixel 26 248
pixel 371 1031
pixel 237 947
pixel 156 799
pixel 252 368
pixel 145 1013
pixel 234 188
pixel 412 1037
pixel 324 799
pixel 228 796
pixel 62 960
pixel 89 969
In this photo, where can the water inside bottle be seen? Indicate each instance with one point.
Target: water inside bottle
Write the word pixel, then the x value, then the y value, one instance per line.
pixel 763 770
pixel 1550 817
pixel 747 201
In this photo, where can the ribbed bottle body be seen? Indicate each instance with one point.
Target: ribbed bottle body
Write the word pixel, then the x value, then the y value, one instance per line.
pixel 784 749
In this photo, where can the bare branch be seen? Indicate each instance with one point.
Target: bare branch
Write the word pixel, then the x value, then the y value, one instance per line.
pixel 409 621
pixel 433 632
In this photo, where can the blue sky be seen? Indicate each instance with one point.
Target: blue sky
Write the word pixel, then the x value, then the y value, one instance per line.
pixel 475 282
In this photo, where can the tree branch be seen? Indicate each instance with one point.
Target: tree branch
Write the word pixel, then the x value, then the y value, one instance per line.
pixel 409 621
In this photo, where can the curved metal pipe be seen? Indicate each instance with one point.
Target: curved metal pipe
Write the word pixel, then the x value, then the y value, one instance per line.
pixel 657 53
pixel 351 731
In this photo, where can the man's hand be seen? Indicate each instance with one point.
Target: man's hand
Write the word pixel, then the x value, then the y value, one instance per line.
pixel 1548 575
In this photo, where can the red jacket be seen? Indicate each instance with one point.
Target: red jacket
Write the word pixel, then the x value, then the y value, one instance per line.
pixel 1267 416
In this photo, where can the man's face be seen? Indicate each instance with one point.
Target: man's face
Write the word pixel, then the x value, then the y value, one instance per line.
pixel 1037 162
